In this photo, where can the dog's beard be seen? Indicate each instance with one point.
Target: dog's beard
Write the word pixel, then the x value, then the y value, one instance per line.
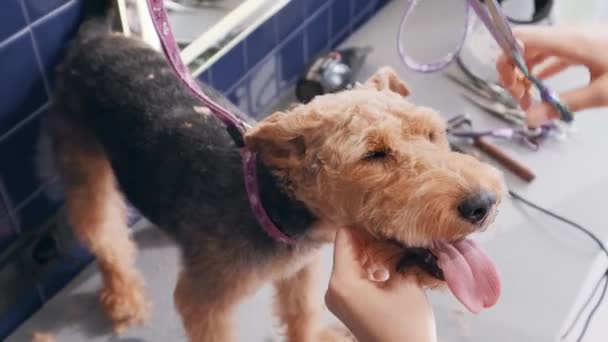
pixel 419 257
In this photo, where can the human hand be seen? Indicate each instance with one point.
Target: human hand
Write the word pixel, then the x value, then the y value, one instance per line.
pixel 389 308
pixel 547 52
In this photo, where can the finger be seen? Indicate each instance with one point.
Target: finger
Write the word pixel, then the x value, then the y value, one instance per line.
pixel 584 98
pixel 576 100
pixel 526 101
pixel 346 249
pixel 518 90
pixel 380 257
pixel 557 41
pixel 535 59
pixel 506 70
pixel 552 68
pixel 520 87
pixel 532 57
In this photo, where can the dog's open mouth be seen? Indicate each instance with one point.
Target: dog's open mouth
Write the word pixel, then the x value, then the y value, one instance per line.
pixel 468 271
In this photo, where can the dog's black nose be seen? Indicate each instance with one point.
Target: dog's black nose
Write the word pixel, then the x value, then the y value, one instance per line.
pixel 477 206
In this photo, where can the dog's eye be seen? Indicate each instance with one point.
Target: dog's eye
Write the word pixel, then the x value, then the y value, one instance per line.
pixel 432 136
pixel 376 155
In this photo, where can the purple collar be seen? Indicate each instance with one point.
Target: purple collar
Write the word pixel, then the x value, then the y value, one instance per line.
pixel 163 29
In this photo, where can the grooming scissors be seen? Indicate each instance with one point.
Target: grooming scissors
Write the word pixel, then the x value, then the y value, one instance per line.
pixel 497 24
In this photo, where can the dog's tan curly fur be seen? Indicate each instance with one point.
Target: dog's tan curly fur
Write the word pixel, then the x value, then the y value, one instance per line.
pixel 411 195
pixel 319 149
pixel 96 210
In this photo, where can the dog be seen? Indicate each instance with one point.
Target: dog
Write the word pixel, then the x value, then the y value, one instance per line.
pixel 123 127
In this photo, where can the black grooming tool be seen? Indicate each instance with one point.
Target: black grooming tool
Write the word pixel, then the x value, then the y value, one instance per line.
pixel 331 72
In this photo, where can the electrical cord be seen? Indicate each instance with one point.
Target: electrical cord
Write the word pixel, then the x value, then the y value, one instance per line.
pixel 561 218
pixel 604 277
pixel 583 307
pixel 594 310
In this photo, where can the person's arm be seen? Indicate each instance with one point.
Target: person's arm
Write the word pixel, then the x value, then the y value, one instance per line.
pixel 550 50
pixel 389 309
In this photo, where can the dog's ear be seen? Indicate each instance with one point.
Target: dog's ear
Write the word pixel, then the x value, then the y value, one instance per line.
pixel 386 78
pixel 280 139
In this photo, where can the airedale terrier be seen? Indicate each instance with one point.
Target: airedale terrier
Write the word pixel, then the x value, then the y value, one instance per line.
pixel 365 158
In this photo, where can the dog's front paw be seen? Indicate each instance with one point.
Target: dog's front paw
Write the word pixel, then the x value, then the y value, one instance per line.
pixel 125 303
pixel 335 334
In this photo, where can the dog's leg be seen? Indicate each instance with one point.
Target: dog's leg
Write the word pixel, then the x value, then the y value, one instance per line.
pixel 300 308
pixel 207 302
pixel 97 213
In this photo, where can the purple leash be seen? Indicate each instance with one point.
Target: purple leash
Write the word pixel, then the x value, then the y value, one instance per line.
pixel 443 62
pixel 163 29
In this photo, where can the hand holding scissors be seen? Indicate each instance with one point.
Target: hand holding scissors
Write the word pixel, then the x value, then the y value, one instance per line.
pixel 552 50
pixel 493 18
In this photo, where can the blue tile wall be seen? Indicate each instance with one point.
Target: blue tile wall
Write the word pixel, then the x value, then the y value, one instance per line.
pixel 18 150
pixel 288 19
pixel 12 19
pixel 341 16
pixel 8 227
pixel 26 92
pixel 292 58
pixel 32 37
pixel 259 43
pixel 33 33
pixel 36 9
pixel 52 34
pixel 312 6
pixel 256 72
pixel 231 66
pixel 317 34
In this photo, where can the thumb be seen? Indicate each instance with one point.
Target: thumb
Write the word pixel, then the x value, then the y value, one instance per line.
pixel 351 260
pixel 347 252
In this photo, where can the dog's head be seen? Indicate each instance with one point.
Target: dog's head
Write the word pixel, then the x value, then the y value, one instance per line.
pixel 367 158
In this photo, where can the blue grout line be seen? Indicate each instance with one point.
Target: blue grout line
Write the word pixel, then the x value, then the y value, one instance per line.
pixel 52 14
pixel 264 86
pixel 277 66
pixel 209 72
pixel 351 20
pixel 23 122
pixel 38 22
pixel 43 75
pixel 14 37
pixel 10 210
pixel 330 23
pixel 244 52
pixel 305 43
pixel 281 94
pixel 349 27
pixel 45 81
pixel 246 64
pixel 36 192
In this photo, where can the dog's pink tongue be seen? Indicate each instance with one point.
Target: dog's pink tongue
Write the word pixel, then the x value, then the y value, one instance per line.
pixel 470 273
